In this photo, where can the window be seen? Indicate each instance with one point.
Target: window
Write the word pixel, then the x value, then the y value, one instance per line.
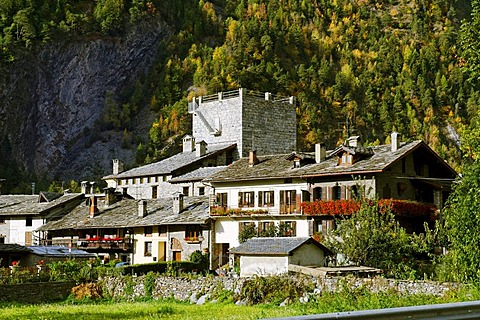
pixel 336 193
pixel 317 193
pixel 2 221
pixel 201 191
pixel 120 182
pixel 148 249
pixel 193 232
pixel 28 222
pixel 2 239
pixel 186 190
pixel 154 192
pixel 287 229
pixel 147 231
pixel 288 201
pixel 265 199
pixel 296 163
pixel 164 178
pixel 354 192
pixel 246 199
pixel 222 200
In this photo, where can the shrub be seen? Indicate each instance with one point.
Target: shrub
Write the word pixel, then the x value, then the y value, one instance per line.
pixel 87 290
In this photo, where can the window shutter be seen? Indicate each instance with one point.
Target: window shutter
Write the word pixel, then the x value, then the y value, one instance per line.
pixel 343 192
pixel 330 193
pixel 294 227
pixel 240 227
pixel 260 228
pixel 298 200
pixel 260 199
pixel 311 224
pixel 324 193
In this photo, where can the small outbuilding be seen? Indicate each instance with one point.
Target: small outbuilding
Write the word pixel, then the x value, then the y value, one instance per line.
pixel 271 256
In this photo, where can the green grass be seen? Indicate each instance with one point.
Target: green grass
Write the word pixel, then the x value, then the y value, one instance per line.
pixel 167 309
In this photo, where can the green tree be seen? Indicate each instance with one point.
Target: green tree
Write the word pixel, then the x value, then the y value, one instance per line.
pixel 373 237
pixel 109 14
pixel 462 227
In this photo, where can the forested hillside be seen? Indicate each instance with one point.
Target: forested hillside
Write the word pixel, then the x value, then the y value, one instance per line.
pixel 365 66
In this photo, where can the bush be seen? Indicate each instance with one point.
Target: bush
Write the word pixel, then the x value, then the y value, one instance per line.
pixel 274 289
pixel 159 267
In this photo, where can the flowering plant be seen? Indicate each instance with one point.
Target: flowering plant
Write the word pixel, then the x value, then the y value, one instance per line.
pixel 403 208
pixel 15 263
pixel 41 262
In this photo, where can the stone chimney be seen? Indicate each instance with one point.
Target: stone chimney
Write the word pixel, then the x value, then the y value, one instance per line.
pixel 142 208
pixel 93 208
pixel 200 148
pixel 395 141
pixel 354 141
pixel 109 196
pixel 177 203
pixel 320 152
pixel 188 143
pixel 117 166
pixel 252 158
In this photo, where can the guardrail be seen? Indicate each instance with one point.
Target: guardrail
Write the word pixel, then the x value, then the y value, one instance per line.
pixel 457 310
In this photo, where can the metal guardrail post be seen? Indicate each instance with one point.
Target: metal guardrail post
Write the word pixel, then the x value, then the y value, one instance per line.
pixel 457 310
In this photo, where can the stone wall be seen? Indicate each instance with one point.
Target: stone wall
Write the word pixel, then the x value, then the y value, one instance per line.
pixel 36 292
pixel 185 289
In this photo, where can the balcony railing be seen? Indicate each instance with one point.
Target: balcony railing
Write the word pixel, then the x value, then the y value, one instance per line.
pixel 226 211
pixel 95 243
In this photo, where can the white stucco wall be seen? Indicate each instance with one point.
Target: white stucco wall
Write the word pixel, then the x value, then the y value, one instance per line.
pixel 18 229
pixel 263 265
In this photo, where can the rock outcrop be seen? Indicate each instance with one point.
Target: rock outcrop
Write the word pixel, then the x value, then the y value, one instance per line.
pixel 52 98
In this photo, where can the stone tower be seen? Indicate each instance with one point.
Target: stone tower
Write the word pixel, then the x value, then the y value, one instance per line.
pixel 251 120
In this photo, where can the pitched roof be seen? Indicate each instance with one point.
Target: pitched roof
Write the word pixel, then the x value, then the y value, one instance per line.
pixel 13 248
pixel 19 205
pixel 197 175
pixel 59 251
pixel 173 163
pixel 124 213
pixel 281 166
pixel 275 246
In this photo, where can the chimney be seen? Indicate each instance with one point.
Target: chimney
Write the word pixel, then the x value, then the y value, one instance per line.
pixel 93 208
pixel 109 196
pixel 177 203
pixel 117 166
pixel 268 96
pixel 92 187
pixel 200 148
pixel 320 152
pixel 395 141
pixel 84 187
pixel 142 208
pixel 353 141
pixel 188 143
pixel 252 158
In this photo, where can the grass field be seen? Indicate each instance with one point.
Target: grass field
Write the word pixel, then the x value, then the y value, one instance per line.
pixel 168 309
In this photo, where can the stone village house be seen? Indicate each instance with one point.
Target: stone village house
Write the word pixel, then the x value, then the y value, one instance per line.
pixel 202 198
pixel 275 190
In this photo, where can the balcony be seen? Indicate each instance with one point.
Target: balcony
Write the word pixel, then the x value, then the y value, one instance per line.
pixel 219 211
pixel 116 244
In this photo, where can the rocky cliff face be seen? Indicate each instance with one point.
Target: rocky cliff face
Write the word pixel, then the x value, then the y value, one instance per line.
pixel 53 97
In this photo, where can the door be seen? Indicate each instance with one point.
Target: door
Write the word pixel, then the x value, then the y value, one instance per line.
pixel 28 238
pixel 177 255
pixel 162 250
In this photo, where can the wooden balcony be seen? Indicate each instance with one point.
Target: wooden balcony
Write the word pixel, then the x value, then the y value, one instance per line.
pixel 95 244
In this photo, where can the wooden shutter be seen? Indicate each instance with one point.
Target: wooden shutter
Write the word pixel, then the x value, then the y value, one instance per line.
pixel 294 227
pixel 311 225
pixel 240 227
pixel 324 193
pixel 343 192
pixel 298 200
pixel 260 199
pixel 330 193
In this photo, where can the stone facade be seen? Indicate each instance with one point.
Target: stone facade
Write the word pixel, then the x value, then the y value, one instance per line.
pixel 251 121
